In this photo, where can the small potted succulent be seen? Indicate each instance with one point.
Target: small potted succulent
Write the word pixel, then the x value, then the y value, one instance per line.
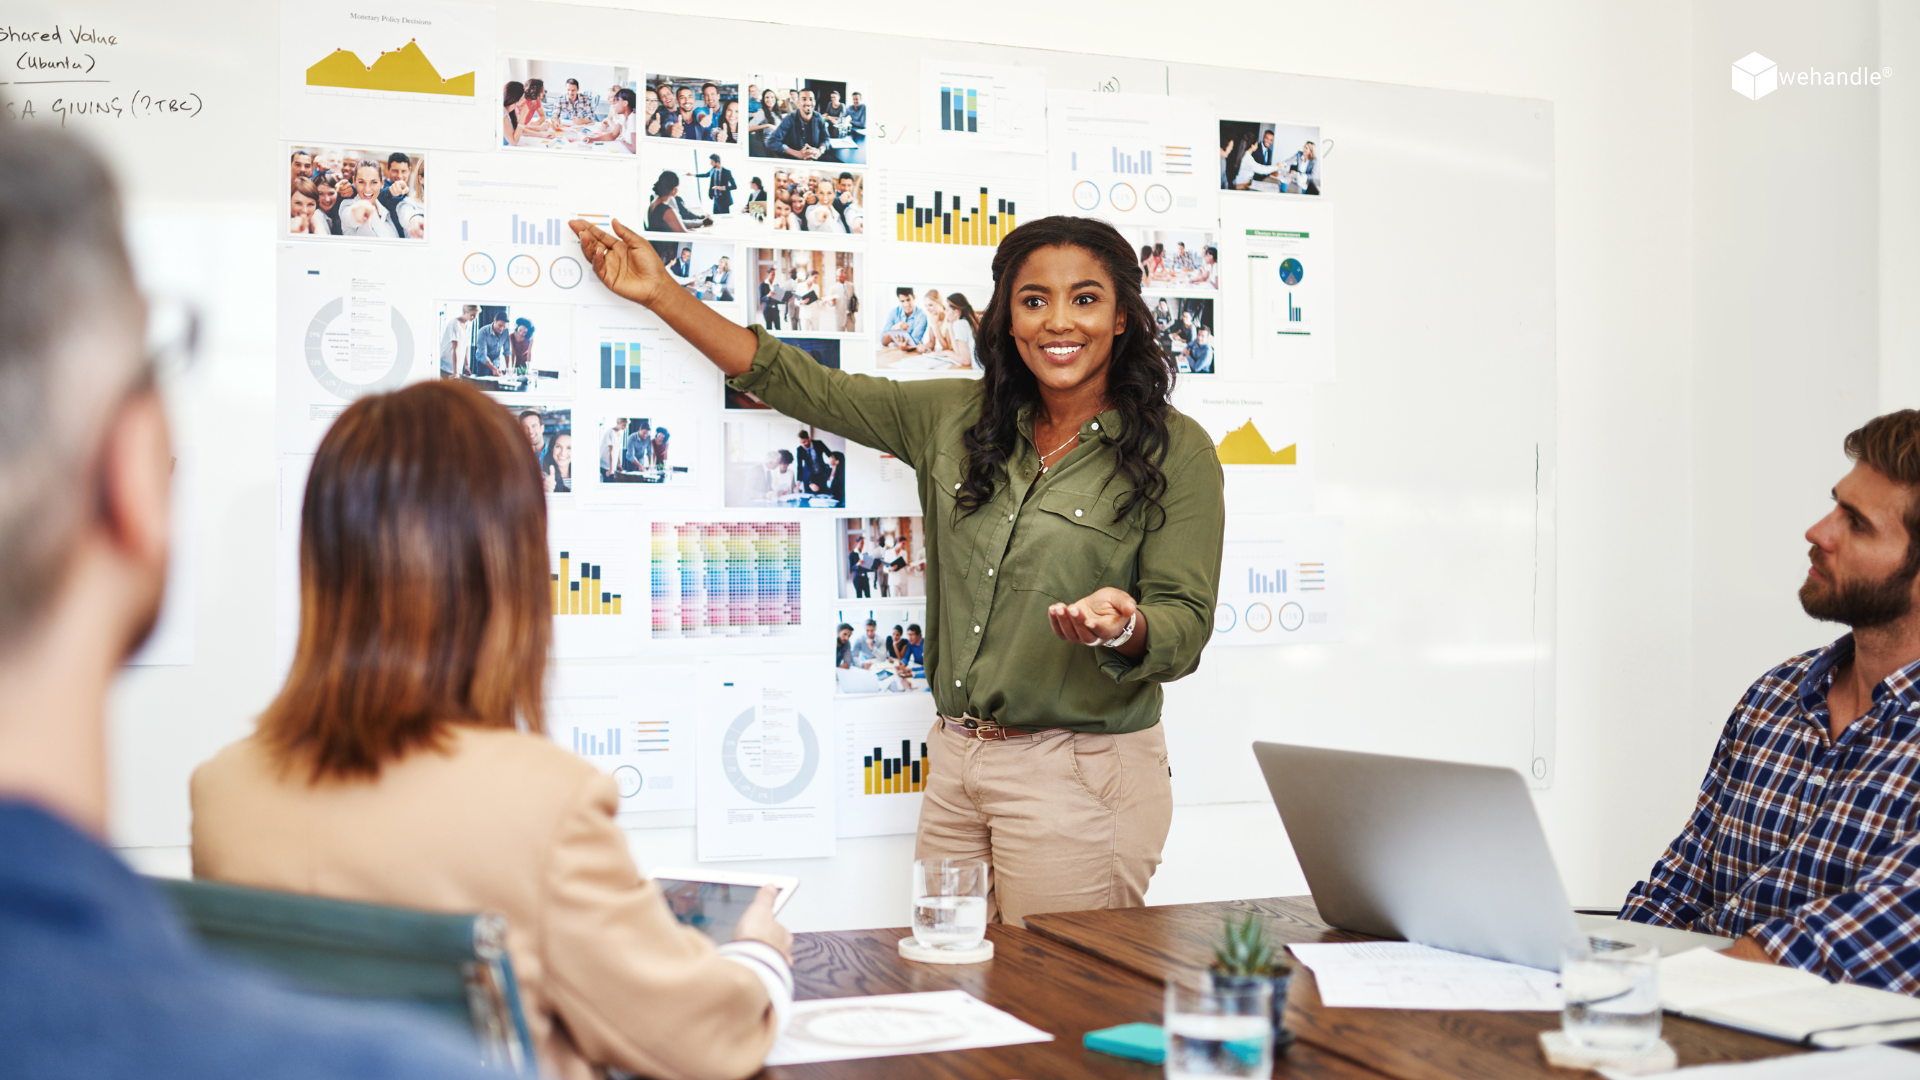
pixel 1244 959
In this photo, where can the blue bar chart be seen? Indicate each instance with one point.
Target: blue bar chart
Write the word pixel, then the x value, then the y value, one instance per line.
pixel 1275 582
pixel 959 109
pixel 597 745
pixel 620 365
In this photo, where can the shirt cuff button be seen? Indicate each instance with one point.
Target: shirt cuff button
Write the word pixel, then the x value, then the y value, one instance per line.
pixel 1079 513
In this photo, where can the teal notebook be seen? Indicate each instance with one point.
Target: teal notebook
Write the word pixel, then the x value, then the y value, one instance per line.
pixel 1141 1042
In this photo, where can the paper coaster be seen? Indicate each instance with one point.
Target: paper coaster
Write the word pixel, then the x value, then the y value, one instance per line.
pixel 1562 1052
pixel 911 950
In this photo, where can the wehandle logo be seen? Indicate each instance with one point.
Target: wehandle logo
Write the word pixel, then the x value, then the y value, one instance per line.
pixel 1755 76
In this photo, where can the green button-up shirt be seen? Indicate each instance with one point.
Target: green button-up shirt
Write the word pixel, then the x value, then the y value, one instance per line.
pixel 991 574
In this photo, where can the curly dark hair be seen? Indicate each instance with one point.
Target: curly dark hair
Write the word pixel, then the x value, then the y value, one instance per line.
pixel 1139 377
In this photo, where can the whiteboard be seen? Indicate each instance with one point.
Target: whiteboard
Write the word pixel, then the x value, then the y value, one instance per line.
pixel 1436 442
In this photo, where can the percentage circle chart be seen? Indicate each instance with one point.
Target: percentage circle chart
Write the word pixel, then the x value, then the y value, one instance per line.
pixel 1159 199
pixel 1225 618
pixel 1259 617
pixel 1086 195
pixel 1292 616
pixel 565 271
pixel 523 270
pixel 1291 271
pixel 1123 197
pixel 478 268
pixel 752 789
pixel 630 781
pixel 328 375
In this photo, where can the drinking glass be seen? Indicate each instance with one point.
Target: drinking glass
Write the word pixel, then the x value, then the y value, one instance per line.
pixel 1219 1030
pixel 949 903
pixel 1612 998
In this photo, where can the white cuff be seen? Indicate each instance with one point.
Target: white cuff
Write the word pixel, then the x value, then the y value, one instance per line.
pixel 772 970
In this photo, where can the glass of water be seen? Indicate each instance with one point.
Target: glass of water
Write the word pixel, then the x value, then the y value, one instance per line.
pixel 949 903
pixel 1216 1029
pixel 1613 998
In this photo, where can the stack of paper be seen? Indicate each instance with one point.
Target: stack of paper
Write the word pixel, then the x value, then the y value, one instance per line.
pixel 1401 975
pixel 1783 1002
pixel 886 1025
pixel 1864 1063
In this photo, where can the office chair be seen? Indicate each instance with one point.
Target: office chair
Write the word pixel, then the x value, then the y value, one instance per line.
pixel 454 967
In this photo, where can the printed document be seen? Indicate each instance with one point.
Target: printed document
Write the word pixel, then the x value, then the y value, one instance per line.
pixel 1401 975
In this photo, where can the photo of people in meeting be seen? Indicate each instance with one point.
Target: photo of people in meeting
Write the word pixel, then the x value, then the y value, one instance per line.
pixel 550 432
pixel 1176 260
pixel 774 461
pixel 1185 326
pixel 1279 159
pixel 357 194
pixel 882 557
pixel 825 352
pixel 694 108
pixel 709 186
pixel 503 349
pixel 807 291
pixel 643 450
pixel 819 201
pixel 806 119
pixel 930 328
pixel 703 268
pixel 560 105
pixel 880 649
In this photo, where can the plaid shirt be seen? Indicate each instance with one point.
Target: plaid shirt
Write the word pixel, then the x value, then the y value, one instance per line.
pixel 579 108
pixel 1811 843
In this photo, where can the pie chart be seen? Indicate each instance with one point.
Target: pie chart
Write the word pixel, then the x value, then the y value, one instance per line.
pixel 1291 271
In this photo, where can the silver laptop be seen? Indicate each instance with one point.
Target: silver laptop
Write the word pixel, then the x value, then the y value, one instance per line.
pixel 1437 853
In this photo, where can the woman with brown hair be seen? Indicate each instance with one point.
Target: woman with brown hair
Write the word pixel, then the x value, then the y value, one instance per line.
pixel 403 761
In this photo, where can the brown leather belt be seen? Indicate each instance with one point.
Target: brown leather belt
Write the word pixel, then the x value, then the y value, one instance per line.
pixel 973 727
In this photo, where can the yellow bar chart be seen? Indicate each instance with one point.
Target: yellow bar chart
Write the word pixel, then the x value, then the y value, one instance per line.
pixel 942 217
pixel 582 595
pixel 901 775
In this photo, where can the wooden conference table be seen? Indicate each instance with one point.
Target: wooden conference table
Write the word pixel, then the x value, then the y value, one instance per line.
pixel 1075 972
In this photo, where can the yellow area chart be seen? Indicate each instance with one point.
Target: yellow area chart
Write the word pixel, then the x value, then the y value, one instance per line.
pixel 1245 445
pixel 406 70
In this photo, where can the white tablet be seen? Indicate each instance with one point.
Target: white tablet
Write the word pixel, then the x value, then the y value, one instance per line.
pixel 712 901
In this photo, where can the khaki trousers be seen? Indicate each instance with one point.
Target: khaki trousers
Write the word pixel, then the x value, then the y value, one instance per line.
pixel 1067 821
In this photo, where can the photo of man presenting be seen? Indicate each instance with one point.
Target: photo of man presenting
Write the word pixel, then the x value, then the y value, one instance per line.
pixel 1802 844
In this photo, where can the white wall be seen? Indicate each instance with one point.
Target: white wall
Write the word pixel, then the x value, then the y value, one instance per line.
pixel 1703 384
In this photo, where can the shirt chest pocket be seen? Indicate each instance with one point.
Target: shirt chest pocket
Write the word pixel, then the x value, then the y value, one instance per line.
pixel 1069 545
pixel 955 531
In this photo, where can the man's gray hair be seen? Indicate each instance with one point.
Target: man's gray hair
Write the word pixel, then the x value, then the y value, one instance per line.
pixel 69 289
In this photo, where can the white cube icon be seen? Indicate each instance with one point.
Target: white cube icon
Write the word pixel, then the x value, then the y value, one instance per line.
pixel 1755 76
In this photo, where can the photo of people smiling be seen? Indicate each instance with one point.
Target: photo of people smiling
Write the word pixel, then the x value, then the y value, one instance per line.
pixel 819 201
pixel 566 106
pixel 807 119
pixel 1279 159
pixel 930 328
pixel 501 348
pixel 693 108
pixel 357 194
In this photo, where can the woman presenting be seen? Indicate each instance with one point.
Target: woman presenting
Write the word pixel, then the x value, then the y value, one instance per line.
pixel 1073 523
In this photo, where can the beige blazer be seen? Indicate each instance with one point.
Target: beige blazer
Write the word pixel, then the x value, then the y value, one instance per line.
pixel 507 822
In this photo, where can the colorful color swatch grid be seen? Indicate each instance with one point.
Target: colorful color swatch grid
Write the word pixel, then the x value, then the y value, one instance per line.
pixel 725 579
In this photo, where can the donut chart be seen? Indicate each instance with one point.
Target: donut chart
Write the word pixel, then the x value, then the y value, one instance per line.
pixel 565 272
pixel 391 379
pixel 630 781
pixel 478 268
pixel 523 270
pixel 760 793
pixel 1086 195
pixel 1123 196
pixel 1159 199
